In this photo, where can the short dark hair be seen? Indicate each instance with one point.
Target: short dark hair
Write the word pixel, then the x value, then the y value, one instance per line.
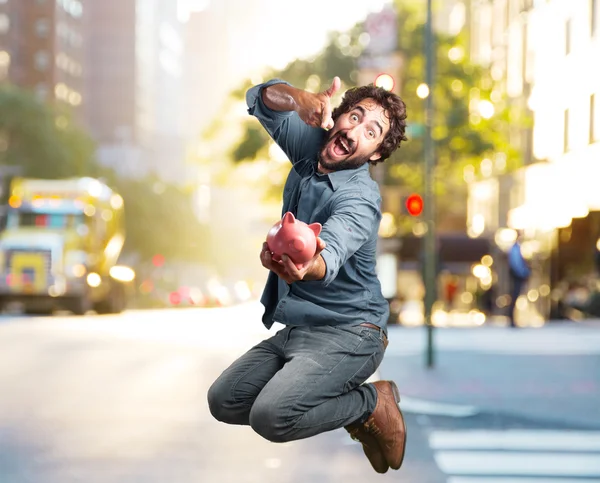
pixel 393 106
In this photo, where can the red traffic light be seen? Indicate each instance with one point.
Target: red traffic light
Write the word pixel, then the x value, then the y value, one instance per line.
pixel 414 205
pixel 158 260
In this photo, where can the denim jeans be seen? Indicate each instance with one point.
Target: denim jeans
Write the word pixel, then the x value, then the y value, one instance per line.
pixel 301 382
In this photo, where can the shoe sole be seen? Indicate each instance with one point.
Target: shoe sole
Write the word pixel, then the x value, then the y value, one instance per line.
pixel 396 393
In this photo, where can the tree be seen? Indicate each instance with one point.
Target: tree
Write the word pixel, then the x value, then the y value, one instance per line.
pixel 471 119
pixel 45 142
pixel 159 218
pixel 41 138
pixel 338 58
pixel 463 137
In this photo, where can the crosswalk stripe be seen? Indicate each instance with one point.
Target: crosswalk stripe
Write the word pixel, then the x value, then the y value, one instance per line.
pixel 528 440
pixel 422 406
pixel 519 464
pixel 479 479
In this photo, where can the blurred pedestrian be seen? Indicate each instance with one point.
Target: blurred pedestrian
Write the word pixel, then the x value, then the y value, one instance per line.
pixel 450 290
pixel 519 272
pixel 310 376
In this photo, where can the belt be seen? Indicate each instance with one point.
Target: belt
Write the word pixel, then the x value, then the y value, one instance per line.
pixel 381 332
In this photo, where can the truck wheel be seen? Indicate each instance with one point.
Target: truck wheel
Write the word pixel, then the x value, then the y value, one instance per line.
pixel 114 303
pixel 37 311
pixel 80 306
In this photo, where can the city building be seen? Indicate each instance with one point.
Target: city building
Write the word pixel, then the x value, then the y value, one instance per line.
pixel 552 199
pixel 42 48
pixel 134 54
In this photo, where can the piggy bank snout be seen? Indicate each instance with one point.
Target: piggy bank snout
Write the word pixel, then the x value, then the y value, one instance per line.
pixel 298 244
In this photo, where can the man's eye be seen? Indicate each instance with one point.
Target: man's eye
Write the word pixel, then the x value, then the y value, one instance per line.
pixel 372 134
pixel 354 117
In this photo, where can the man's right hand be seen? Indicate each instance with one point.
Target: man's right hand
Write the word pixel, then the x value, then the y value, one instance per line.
pixel 315 109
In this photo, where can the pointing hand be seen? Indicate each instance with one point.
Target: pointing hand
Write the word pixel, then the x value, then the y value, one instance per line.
pixel 315 109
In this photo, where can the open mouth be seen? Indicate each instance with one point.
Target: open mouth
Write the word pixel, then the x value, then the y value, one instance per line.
pixel 341 146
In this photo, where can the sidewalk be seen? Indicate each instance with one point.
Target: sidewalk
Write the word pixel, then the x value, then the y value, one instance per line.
pixel 551 373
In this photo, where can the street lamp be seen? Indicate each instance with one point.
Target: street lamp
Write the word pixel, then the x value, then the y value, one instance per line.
pixel 386 81
pixel 423 91
pixel 429 269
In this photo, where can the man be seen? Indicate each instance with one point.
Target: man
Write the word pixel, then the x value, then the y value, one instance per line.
pixel 308 378
pixel 519 272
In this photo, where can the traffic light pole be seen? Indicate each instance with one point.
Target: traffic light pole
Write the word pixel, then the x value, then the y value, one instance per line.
pixel 429 208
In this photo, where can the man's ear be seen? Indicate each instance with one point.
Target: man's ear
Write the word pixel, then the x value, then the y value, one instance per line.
pixel 375 156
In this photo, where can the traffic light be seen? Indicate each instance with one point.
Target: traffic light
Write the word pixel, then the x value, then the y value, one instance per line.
pixel 385 81
pixel 158 260
pixel 414 204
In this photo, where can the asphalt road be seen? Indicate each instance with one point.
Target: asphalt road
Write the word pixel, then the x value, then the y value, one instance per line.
pixel 122 399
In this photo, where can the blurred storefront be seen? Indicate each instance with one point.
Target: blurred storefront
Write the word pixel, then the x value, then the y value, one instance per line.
pixel 557 211
pixel 553 199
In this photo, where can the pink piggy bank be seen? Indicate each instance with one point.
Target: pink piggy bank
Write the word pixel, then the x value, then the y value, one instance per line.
pixel 293 238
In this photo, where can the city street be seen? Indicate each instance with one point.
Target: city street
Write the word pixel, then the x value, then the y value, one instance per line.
pixel 122 399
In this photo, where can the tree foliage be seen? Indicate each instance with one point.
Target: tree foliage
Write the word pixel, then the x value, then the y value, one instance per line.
pixel 44 141
pixel 338 58
pixel 160 220
pixel 462 136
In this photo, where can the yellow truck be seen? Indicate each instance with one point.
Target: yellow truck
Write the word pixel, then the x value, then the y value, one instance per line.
pixel 60 246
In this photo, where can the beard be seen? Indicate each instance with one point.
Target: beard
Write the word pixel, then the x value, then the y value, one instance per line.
pixel 351 162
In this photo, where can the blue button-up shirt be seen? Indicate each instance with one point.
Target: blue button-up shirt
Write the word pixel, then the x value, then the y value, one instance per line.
pixel 347 204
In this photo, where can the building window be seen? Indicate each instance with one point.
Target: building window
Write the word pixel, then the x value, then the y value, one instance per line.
pixel 4 23
pixel 568 37
pixel 566 132
pixel 41 60
pixel 594 127
pixel 73 7
pixel 593 17
pixel 42 28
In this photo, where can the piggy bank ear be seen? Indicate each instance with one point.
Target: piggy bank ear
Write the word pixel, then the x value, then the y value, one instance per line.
pixel 316 228
pixel 288 218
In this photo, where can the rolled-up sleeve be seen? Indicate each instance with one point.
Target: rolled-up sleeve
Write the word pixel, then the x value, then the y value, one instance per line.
pixel 351 224
pixel 297 140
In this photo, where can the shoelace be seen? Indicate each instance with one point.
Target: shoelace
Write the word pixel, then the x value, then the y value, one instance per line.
pixel 372 428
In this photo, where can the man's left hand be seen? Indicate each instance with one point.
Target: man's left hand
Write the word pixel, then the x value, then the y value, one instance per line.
pixel 290 272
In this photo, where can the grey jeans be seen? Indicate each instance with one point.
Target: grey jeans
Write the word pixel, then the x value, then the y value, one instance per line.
pixel 301 382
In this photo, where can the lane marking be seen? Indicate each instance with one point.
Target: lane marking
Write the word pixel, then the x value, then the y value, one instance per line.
pixel 479 479
pixel 518 464
pixel 527 440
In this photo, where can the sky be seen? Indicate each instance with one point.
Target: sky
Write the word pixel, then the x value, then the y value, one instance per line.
pixel 304 23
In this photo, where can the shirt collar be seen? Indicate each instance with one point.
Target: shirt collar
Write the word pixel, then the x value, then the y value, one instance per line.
pixel 338 178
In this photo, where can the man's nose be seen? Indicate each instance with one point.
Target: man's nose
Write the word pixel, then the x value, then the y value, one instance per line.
pixel 353 133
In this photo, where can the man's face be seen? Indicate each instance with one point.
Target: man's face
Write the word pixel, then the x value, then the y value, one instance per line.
pixel 355 137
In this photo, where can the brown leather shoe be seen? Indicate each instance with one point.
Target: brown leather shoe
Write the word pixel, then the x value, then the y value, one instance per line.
pixel 370 446
pixel 383 435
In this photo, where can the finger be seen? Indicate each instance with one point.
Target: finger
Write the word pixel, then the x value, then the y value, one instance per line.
pixel 316 120
pixel 282 273
pixel 266 259
pixel 326 120
pixel 291 268
pixel 320 245
pixel 335 86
